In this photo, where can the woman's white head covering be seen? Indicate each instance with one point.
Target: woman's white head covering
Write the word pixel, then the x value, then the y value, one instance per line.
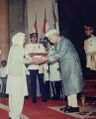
pixel 18 38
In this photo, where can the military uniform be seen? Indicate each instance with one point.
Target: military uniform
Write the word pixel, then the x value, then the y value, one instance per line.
pixel 36 71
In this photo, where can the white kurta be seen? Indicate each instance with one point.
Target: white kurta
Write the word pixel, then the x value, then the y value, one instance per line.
pixel 90 50
pixel 16 81
pixel 54 74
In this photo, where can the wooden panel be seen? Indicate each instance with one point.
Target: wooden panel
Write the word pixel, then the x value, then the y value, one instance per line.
pixel 4 29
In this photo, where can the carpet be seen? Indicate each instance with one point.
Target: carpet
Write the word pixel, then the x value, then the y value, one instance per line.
pixel 5 107
pixel 49 110
pixel 88 112
pixel 37 110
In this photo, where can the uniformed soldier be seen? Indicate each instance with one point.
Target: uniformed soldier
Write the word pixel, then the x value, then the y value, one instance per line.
pixel 56 82
pixel 33 49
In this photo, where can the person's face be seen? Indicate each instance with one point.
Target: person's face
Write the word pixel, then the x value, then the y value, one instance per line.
pixel 34 39
pixel 89 31
pixel 4 63
pixel 53 38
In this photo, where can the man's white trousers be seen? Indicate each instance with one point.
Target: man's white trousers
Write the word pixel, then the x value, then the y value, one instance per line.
pixel 72 100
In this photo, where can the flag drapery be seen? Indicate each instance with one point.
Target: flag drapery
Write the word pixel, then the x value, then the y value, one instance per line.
pixel 55 20
pixel 35 28
pixel 45 23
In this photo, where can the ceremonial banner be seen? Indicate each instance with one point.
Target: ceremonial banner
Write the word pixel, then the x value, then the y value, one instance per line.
pixel 35 29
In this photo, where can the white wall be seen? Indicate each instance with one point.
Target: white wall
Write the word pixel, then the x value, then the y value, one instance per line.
pixel 37 7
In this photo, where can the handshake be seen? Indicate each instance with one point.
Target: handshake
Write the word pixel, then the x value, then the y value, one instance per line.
pixel 39 61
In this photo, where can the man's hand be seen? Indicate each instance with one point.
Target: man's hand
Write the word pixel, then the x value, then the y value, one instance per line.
pixel 38 54
pixel 39 61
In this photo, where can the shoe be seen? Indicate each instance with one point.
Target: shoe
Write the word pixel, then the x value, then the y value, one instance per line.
pixel 55 98
pixel 71 109
pixel 34 101
pixel 63 108
pixel 44 100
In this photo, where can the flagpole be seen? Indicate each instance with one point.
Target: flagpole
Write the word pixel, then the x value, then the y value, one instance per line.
pixel 36 17
pixel 45 23
pixel 55 20
pixel 36 26
pixel 36 22
pixel 44 12
pixel 54 16
pixel 35 29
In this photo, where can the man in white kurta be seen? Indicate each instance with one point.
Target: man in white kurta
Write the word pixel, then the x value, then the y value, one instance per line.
pixel 16 80
pixel 90 48
pixel 55 77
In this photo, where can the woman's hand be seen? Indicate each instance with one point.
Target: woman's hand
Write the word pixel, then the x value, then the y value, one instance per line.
pixel 39 61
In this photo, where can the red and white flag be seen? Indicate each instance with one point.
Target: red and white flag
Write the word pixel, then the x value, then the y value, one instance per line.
pixel 45 23
pixel 35 28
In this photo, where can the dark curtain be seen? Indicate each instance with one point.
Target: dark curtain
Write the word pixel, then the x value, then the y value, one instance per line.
pixel 73 15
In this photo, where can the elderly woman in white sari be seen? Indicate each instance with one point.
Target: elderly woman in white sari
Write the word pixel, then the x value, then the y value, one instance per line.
pixel 16 80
